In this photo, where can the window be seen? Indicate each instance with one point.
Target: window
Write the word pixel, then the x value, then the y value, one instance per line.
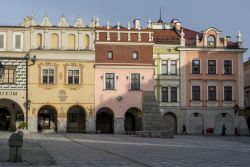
pixel 196 93
pixel 227 93
pixel 73 117
pixel 211 66
pixel 110 81
pixel 173 94
pixel 164 67
pixel 48 76
pixel 195 66
pixel 9 75
pixel 2 41
pixel 135 81
pixel 135 55
pixel 212 93
pixel 18 41
pixel 173 67
pixel 110 55
pixel 73 76
pixel 211 41
pixel 227 66
pixel 164 94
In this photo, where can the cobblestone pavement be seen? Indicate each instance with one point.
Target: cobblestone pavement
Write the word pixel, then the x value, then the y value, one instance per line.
pixel 119 150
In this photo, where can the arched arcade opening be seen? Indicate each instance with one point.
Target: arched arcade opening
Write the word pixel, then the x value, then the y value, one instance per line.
pixel 11 115
pixel 47 119
pixel 76 119
pixel 105 120
pixel 133 120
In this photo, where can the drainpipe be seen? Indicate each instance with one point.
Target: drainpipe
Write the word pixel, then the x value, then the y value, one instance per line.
pixel 27 78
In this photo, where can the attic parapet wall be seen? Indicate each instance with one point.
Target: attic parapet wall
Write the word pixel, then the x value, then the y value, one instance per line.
pixel 120 35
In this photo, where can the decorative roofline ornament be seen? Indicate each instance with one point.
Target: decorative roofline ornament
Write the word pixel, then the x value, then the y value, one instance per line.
pixel 46 21
pixel 79 22
pixel 63 22
pixel 108 25
pixel 129 26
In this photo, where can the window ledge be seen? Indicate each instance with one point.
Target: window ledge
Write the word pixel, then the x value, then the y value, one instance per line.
pixel 132 90
pixel 109 89
pixel 73 86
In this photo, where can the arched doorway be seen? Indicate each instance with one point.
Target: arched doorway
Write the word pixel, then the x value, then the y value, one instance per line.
pixel 47 119
pixel 227 120
pixel 11 115
pixel 196 124
pixel 4 119
pixel 169 122
pixel 76 119
pixel 133 120
pixel 105 120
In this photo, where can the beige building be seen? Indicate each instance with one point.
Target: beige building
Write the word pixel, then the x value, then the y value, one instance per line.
pixel 60 62
pixel 61 80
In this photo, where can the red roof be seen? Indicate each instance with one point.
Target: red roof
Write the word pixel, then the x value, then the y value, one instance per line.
pixel 166 37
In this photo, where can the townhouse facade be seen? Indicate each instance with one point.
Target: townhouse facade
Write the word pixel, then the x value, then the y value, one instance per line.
pixel 123 70
pixel 92 78
pixel 212 82
pixel 13 76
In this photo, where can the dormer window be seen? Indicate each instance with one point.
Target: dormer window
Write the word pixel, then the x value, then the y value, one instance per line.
pixel 211 41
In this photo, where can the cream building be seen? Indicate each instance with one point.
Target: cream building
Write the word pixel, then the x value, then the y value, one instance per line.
pixel 61 80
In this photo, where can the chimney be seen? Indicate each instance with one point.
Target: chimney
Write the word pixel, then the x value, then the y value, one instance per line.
pixel 137 24
pixel 228 38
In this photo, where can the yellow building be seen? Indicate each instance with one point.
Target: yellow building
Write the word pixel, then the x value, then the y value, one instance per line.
pixel 61 78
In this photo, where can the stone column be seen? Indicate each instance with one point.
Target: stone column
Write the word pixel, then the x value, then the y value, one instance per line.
pixel 33 123
pixel 90 124
pixel 118 125
pixel 61 125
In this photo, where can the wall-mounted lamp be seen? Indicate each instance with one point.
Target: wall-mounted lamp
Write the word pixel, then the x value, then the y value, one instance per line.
pixel 33 59
pixel 142 77
pixel 117 77
pixel 127 77
pixel 101 76
pixel 28 104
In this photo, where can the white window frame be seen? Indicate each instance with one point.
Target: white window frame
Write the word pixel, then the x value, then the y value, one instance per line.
pixel 196 83
pixel 4 41
pixel 47 68
pixel 104 80
pixel 14 41
pixel 216 87
pixel 231 64
pixel 216 66
pixel 191 69
pixel 73 68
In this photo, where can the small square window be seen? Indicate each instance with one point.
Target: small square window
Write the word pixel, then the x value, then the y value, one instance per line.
pixel 135 55
pixel 110 55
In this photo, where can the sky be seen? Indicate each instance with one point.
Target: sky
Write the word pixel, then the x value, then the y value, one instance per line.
pixel 229 16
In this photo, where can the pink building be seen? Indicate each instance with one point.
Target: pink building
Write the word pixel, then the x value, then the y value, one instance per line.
pixel 123 70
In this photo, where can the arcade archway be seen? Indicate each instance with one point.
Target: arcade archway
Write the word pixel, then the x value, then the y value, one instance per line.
pixel 11 115
pixel 76 119
pixel 105 120
pixel 47 119
pixel 133 120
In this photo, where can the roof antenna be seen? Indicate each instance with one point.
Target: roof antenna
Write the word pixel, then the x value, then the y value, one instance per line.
pixel 160 20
